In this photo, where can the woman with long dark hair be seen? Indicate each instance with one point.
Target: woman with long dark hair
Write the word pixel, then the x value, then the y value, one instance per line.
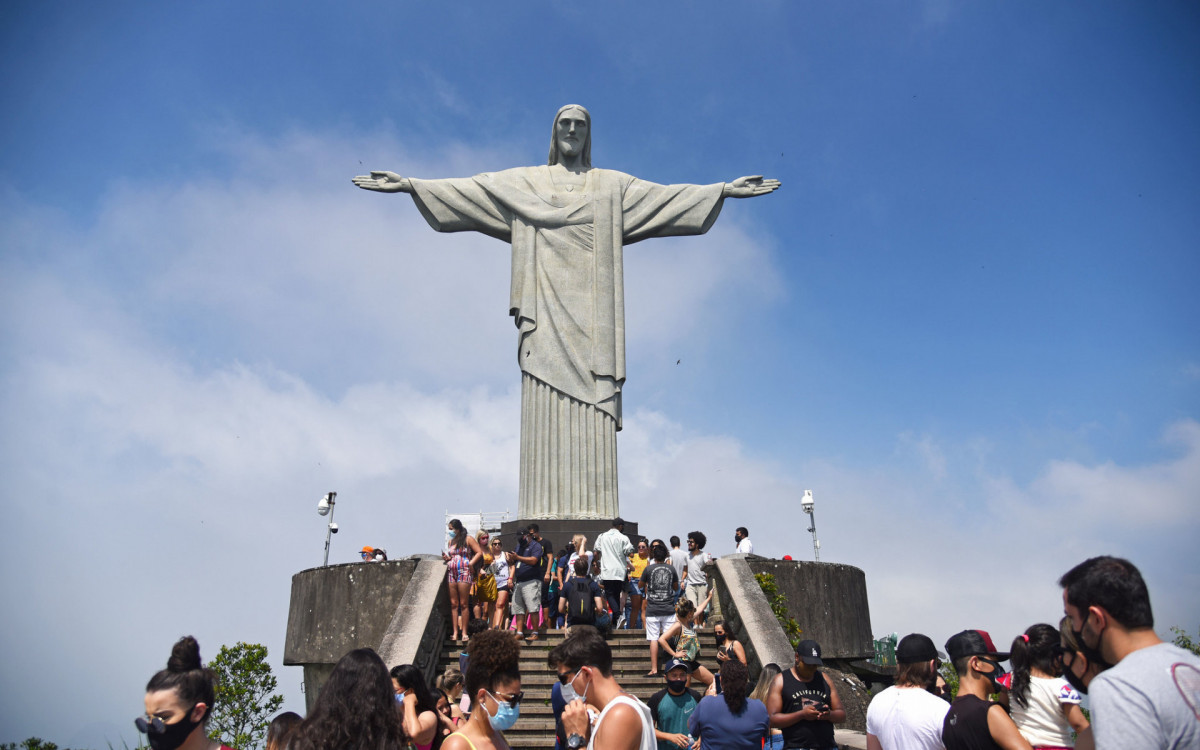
pixel 179 702
pixel 419 706
pixel 462 555
pixel 494 686
pixel 731 721
pixel 1044 707
pixel 355 710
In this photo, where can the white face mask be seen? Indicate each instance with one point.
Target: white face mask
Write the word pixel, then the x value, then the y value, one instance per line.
pixel 568 689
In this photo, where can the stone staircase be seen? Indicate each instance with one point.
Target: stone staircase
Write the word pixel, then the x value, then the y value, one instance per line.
pixel 535 729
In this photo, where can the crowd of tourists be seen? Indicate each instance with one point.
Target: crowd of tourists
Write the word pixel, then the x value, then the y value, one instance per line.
pixel 1144 693
pixel 527 585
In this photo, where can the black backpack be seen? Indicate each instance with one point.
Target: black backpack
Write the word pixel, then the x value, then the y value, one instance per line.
pixel 581 605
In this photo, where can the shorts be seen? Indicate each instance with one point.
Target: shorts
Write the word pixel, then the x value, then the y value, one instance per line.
pixel 657 625
pixel 696 593
pixel 527 597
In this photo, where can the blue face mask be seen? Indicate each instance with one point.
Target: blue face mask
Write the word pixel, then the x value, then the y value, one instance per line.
pixel 506 715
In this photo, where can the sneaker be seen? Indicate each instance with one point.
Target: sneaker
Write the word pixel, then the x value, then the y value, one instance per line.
pixel 620 622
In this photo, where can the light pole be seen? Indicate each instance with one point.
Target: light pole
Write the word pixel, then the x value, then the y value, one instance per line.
pixel 807 504
pixel 325 508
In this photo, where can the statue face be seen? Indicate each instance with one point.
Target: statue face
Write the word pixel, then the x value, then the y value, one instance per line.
pixel 571 131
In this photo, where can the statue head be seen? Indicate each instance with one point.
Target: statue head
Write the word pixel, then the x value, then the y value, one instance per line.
pixel 564 139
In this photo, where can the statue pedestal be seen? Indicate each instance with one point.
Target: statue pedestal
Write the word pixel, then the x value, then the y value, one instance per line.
pixel 560 531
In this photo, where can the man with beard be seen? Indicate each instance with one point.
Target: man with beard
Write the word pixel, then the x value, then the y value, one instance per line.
pixel 1150 697
pixel 907 716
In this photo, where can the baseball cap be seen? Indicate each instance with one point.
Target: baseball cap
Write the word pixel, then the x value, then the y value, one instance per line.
pixel 973 643
pixel 368 549
pixel 915 648
pixel 690 666
pixel 809 653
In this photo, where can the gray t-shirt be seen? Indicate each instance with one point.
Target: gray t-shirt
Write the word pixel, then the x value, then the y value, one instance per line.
pixel 1151 699
pixel 660 583
pixel 678 561
pixel 695 574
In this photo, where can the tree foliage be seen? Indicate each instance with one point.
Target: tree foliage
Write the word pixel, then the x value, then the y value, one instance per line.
pixel 778 602
pixel 246 698
pixel 1185 641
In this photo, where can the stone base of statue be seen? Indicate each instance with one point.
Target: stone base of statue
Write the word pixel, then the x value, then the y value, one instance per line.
pixel 561 531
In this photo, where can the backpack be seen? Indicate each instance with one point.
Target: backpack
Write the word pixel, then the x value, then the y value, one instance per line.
pixel 581 605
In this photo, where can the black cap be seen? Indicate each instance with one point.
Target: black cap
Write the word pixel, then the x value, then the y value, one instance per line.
pixel 915 648
pixel 810 653
pixel 690 666
pixel 973 643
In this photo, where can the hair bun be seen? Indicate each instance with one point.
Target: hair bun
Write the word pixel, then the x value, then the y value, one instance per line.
pixel 185 655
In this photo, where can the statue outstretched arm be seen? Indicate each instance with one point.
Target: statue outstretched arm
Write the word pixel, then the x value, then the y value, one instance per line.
pixel 745 187
pixel 383 182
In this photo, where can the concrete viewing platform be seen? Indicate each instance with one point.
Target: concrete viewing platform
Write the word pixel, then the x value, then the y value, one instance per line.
pixel 400 608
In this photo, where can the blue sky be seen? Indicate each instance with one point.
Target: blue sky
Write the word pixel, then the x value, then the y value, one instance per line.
pixel 967 321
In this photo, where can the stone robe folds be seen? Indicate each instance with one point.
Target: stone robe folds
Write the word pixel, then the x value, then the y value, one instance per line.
pixel 567 300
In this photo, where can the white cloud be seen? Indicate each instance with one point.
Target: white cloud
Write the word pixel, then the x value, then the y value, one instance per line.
pixel 182 380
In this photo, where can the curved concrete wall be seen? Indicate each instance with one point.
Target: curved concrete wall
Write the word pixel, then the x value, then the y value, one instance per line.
pixel 828 600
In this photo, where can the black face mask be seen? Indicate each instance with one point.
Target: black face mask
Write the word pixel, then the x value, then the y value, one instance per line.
pixel 171 736
pixel 676 687
pixel 995 675
pixel 1090 653
pixel 1074 681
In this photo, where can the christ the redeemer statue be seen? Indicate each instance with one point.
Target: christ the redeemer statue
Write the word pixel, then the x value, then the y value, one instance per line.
pixel 568 224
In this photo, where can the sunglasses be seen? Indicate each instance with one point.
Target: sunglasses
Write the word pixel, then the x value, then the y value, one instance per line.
pixel 513 699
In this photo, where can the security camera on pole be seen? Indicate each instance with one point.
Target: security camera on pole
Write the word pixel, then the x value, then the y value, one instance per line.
pixel 807 504
pixel 325 508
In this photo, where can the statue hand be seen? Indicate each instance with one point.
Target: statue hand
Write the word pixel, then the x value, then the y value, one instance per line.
pixel 748 187
pixel 383 182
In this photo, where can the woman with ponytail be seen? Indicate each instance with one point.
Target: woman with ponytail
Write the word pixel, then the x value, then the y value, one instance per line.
pixel 493 682
pixel 1044 706
pixel 179 701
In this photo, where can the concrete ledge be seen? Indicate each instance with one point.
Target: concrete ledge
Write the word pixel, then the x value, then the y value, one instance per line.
pixel 748 613
pixel 418 625
pixel 850 739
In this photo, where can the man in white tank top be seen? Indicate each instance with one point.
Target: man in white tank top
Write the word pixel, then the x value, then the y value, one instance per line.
pixel 599 713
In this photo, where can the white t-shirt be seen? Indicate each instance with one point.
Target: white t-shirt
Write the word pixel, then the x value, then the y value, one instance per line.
pixel 745 546
pixel 570 571
pixel 648 742
pixel 1148 700
pixel 1043 722
pixel 908 718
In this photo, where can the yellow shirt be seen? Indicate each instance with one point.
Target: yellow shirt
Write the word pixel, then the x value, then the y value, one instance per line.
pixel 639 565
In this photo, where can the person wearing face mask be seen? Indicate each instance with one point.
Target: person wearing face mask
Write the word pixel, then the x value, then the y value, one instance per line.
pixel 179 700
pixel 584 665
pixel 493 682
pixel 671 707
pixel 418 707
pixel 462 556
pixel 1149 697
pixel 355 709
pixel 907 716
pixel 974 722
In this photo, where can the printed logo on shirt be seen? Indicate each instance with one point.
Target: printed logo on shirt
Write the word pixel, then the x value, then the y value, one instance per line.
pixel 1187 682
